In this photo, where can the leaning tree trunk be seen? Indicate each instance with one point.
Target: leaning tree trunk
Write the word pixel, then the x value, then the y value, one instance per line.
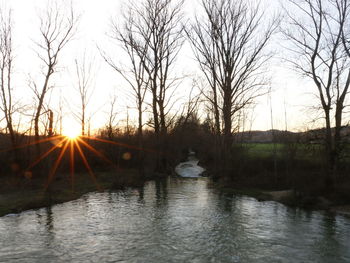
pixel 155 115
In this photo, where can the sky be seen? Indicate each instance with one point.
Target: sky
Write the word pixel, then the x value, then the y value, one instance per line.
pixel 290 98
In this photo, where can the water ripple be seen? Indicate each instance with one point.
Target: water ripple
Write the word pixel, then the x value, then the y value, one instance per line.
pixel 175 220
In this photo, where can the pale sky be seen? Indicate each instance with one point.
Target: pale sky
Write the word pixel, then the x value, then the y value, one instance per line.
pixel 290 94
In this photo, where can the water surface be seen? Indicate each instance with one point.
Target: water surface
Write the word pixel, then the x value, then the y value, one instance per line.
pixel 175 220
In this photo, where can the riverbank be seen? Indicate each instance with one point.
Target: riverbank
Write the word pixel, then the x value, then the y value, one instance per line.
pixel 293 199
pixel 174 219
pixel 17 195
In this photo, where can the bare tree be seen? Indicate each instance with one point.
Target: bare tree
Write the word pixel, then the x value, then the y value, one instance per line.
pixel 229 43
pixel 152 37
pixel 6 72
pixel 112 114
pixel 164 19
pixel 84 73
pixel 190 107
pixel 154 32
pixel 318 33
pixel 135 72
pixel 57 27
pixel 60 114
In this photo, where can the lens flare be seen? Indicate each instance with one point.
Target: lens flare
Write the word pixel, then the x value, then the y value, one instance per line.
pixel 72 133
pixel 126 156
pixel 71 144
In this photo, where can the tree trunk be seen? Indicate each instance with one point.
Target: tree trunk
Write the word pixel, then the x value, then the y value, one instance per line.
pixel 50 123
pixel 83 121
pixel 227 133
pixel 329 180
pixel 337 135
pixel 140 141
pixel 163 128
pixel 216 112
pixel 155 114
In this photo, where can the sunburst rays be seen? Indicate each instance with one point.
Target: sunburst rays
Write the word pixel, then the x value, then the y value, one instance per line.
pixel 50 139
pixel 56 164
pixel 86 163
pixel 121 144
pixel 72 145
pixel 44 155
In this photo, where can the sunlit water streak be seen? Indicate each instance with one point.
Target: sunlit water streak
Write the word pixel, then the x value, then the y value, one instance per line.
pixel 175 220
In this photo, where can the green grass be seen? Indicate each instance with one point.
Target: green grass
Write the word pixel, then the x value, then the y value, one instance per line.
pixel 299 151
pixel 262 149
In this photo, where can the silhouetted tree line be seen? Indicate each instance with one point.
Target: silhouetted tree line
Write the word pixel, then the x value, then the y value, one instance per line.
pixel 230 40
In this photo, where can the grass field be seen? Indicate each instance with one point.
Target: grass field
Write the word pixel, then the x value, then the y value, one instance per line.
pixel 297 151
pixel 312 153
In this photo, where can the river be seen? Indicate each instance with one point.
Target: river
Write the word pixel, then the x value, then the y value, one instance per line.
pixel 174 220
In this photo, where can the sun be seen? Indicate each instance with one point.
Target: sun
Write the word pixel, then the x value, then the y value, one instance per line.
pixel 71 133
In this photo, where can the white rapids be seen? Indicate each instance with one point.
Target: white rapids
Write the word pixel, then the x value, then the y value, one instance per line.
pixel 189 168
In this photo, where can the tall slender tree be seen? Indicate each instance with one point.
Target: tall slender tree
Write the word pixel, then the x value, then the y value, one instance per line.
pixel 229 43
pixel 152 36
pixel 57 27
pixel 85 88
pixel 317 31
pixel 6 72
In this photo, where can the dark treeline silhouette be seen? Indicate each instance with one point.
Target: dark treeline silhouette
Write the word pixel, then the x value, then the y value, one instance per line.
pixel 230 40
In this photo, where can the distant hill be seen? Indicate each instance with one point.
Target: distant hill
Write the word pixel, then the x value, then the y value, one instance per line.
pixel 269 136
pixel 264 136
